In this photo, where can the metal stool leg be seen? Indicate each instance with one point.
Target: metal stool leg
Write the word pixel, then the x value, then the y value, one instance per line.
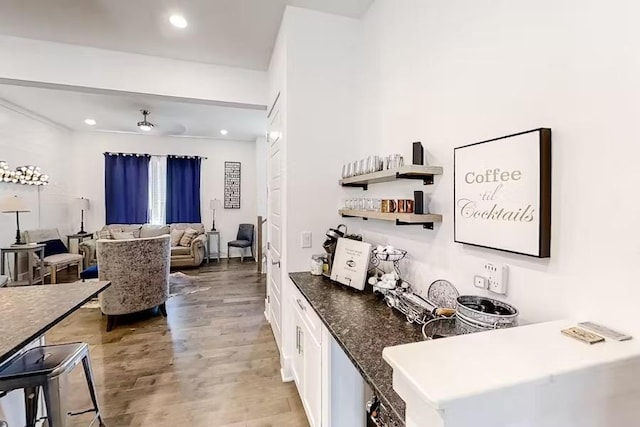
pixel 55 402
pixel 88 373
pixel 31 405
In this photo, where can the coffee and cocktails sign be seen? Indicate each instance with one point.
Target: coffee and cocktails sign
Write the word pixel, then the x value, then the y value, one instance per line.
pixel 502 193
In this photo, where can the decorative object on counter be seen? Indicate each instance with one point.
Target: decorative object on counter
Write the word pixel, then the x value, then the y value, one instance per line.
pixel 351 263
pixel 317 262
pixel 443 294
pixel 477 313
pixel 15 205
pixel 25 175
pixel 439 328
pixel 214 205
pixel 599 329
pixel 582 335
pixel 418 153
pixel 84 205
pixel 502 193
pixel 232 185
pixel 414 307
pixel 388 254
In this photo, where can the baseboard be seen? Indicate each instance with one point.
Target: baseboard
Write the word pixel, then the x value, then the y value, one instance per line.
pixel 285 378
pixel 285 370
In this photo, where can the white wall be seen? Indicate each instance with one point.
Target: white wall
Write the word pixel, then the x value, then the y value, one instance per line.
pixel 322 58
pixel 455 72
pixel 89 174
pixel 27 140
pixel 65 64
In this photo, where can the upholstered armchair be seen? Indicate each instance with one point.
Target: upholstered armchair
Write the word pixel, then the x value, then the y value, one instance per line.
pixel 139 273
pixel 56 261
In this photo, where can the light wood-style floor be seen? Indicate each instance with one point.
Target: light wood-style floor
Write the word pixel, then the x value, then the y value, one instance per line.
pixel 212 362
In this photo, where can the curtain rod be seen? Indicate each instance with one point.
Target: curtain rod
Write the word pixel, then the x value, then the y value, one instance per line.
pixel 180 156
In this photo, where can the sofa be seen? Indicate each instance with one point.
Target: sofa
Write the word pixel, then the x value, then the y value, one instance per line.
pixel 139 273
pixel 181 256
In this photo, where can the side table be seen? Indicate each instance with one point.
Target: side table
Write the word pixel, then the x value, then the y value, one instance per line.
pixel 209 234
pixel 30 250
pixel 79 237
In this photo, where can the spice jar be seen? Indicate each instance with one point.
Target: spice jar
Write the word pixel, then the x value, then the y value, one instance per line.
pixel 317 262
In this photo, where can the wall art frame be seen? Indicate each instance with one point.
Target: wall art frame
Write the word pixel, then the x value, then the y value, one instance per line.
pixel 502 193
pixel 232 188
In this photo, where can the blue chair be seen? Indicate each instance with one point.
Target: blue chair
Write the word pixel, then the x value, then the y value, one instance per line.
pixel 244 240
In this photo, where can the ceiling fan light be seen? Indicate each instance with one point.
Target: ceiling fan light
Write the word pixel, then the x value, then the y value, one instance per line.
pixel 145 125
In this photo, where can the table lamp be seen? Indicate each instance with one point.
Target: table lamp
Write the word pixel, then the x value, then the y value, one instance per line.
pixel 213 205
pixel 15 205
pixel 84 205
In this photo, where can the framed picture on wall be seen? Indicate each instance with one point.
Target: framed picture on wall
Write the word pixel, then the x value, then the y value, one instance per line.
pixel 232 185
pixel 502 193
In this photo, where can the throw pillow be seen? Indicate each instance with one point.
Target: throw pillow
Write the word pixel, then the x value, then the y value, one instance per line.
pixel 176 235
pixel 104 235
pixel 123 235
pixel 188 236
pixel 54 247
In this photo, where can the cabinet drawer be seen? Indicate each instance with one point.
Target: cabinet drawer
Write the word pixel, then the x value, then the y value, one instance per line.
pixel 307 313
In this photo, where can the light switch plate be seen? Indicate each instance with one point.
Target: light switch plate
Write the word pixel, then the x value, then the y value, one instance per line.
pixel 305 239
pixel 496 275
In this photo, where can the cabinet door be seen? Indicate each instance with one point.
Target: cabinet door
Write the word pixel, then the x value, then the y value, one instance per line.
pixel 312 379
pixel 297 365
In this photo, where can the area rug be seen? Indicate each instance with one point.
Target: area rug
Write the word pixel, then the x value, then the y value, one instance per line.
pixel 179 284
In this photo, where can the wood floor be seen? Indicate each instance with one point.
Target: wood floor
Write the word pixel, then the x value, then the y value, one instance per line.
pixel 212 362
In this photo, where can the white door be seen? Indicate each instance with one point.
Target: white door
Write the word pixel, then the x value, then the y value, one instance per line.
pixel 274 223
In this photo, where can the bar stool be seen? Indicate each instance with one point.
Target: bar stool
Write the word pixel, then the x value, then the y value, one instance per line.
pixel 47 367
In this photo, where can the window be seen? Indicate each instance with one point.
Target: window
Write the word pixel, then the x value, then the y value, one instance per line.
pixel 158 190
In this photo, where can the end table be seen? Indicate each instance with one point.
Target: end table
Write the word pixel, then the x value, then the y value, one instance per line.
pixel 30 250
pixel 79 237
pixel 209 234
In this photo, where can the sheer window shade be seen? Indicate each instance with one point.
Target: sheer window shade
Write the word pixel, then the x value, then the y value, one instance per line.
pixel 158 190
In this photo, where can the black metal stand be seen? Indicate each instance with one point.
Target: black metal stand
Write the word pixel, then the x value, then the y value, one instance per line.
pixel 82 223
pixel 18 236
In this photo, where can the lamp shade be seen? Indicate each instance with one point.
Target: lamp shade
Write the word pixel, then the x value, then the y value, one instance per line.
pixel 215 204
pixel 83 203
pixel 13 204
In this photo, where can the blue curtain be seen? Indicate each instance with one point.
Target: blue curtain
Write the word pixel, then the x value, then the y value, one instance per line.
pixel 126 185
pixel 183 190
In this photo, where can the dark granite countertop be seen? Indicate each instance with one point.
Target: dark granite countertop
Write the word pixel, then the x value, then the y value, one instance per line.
pixel 27 312
pixel 363 325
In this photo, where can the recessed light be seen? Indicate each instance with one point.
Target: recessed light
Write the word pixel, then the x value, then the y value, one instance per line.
pixel 178 21
pixel 90 122
pixel 223 132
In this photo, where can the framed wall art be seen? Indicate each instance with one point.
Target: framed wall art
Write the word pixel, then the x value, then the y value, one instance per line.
pixel 232 185
pixel 502 193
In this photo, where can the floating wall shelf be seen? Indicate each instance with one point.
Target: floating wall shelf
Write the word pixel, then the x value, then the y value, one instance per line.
pixel 423 173
pixel 426 220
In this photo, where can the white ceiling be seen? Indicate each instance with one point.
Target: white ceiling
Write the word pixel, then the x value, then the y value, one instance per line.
pixel 121 112
pixel 238 33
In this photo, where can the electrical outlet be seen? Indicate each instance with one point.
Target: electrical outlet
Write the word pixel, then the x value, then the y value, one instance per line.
pixel 496 275
pixel 480 282
pixel 305 239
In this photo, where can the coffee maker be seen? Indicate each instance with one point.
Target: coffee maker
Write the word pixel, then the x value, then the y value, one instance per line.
pixel 329 245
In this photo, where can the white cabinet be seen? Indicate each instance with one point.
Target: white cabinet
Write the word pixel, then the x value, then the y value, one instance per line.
pixel 307 357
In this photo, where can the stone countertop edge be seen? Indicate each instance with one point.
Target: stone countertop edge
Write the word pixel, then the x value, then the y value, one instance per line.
pixel 27 340
pixel 376 372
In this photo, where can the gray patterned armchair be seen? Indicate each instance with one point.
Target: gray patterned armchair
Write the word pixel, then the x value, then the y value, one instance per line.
pixel 139 273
